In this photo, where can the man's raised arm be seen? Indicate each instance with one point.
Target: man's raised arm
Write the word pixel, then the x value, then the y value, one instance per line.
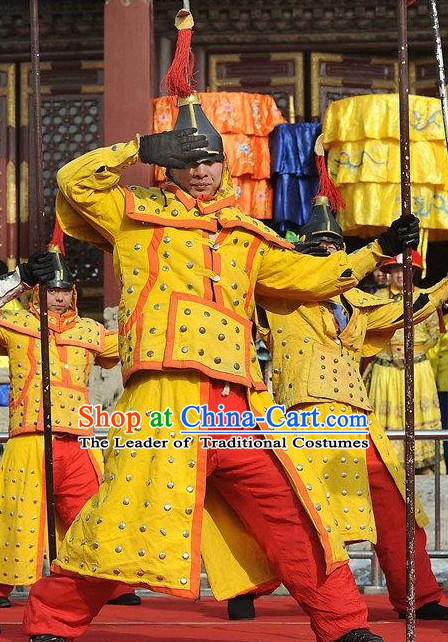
pixel 309 278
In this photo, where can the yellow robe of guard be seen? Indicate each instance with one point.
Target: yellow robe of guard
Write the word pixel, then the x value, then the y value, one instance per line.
pixel 315 367
pixel 386 387
pixel 75 345
pixel 186 302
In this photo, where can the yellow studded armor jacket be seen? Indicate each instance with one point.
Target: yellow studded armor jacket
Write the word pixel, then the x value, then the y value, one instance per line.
pixel 75 345
pixel 189 271
pixel 315 365
pixel 312 361
pixel 187 299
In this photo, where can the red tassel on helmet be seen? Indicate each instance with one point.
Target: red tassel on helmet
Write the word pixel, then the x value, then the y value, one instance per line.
pixel 57 240
pixel 179 78
pixel 327 187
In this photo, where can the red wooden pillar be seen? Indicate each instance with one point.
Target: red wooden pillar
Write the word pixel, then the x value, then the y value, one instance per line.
pixel 128 91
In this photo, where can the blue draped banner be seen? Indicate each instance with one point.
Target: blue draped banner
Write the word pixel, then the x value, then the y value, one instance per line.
pixel 293 172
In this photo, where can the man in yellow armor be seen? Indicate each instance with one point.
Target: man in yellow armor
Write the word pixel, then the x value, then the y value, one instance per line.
pixel 75 344
pixel 316 349
pixel 189 263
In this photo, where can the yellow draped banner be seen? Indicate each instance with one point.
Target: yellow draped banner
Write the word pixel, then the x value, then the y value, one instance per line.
pixel 362 137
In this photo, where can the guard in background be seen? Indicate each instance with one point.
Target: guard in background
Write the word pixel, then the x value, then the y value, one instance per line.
pixel 386 379
pixel 75 345
pixel 316 349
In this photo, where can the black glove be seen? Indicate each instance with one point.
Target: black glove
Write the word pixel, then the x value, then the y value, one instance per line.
pixel 38 269
pixel 311 247
pixel 177 149
pixel 404 232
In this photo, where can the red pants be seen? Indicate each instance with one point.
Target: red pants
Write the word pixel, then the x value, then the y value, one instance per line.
pixel 75 481
pixel 390 517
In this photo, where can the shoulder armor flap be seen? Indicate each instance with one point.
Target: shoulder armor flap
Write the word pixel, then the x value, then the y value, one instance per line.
pixel 233 217
pixel 20 321
pixel 87 333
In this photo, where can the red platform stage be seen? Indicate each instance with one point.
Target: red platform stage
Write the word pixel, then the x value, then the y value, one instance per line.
pixel 163 619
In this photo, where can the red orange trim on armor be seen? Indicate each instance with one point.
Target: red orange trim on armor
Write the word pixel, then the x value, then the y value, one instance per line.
pixel 153 269
pixel 189 201
pixel 24 395
pixel 198 511
pixel 249 264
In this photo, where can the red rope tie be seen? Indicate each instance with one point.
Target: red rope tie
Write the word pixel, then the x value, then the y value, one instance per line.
pixel 179 78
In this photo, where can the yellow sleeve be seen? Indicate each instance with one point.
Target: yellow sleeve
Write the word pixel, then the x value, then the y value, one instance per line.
pixel 426 302
pixel 432 331
pixel 109 357
pixel 433 355
pixel 89 192
pixel 302 277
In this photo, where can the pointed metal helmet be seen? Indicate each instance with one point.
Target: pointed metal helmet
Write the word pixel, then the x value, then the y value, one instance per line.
pixel 322 226
pixel 191 114
pixel 63 278
pixel 180 82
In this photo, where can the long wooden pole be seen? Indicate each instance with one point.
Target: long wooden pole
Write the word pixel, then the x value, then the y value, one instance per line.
pixel 40 218
pixel 403 64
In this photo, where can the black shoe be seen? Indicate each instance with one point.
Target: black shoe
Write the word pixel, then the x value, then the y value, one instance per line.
pixel 241 607
pixel 127 599
pixel 5 603
pixel 360 635
pixel 47 637
pixel 429 611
